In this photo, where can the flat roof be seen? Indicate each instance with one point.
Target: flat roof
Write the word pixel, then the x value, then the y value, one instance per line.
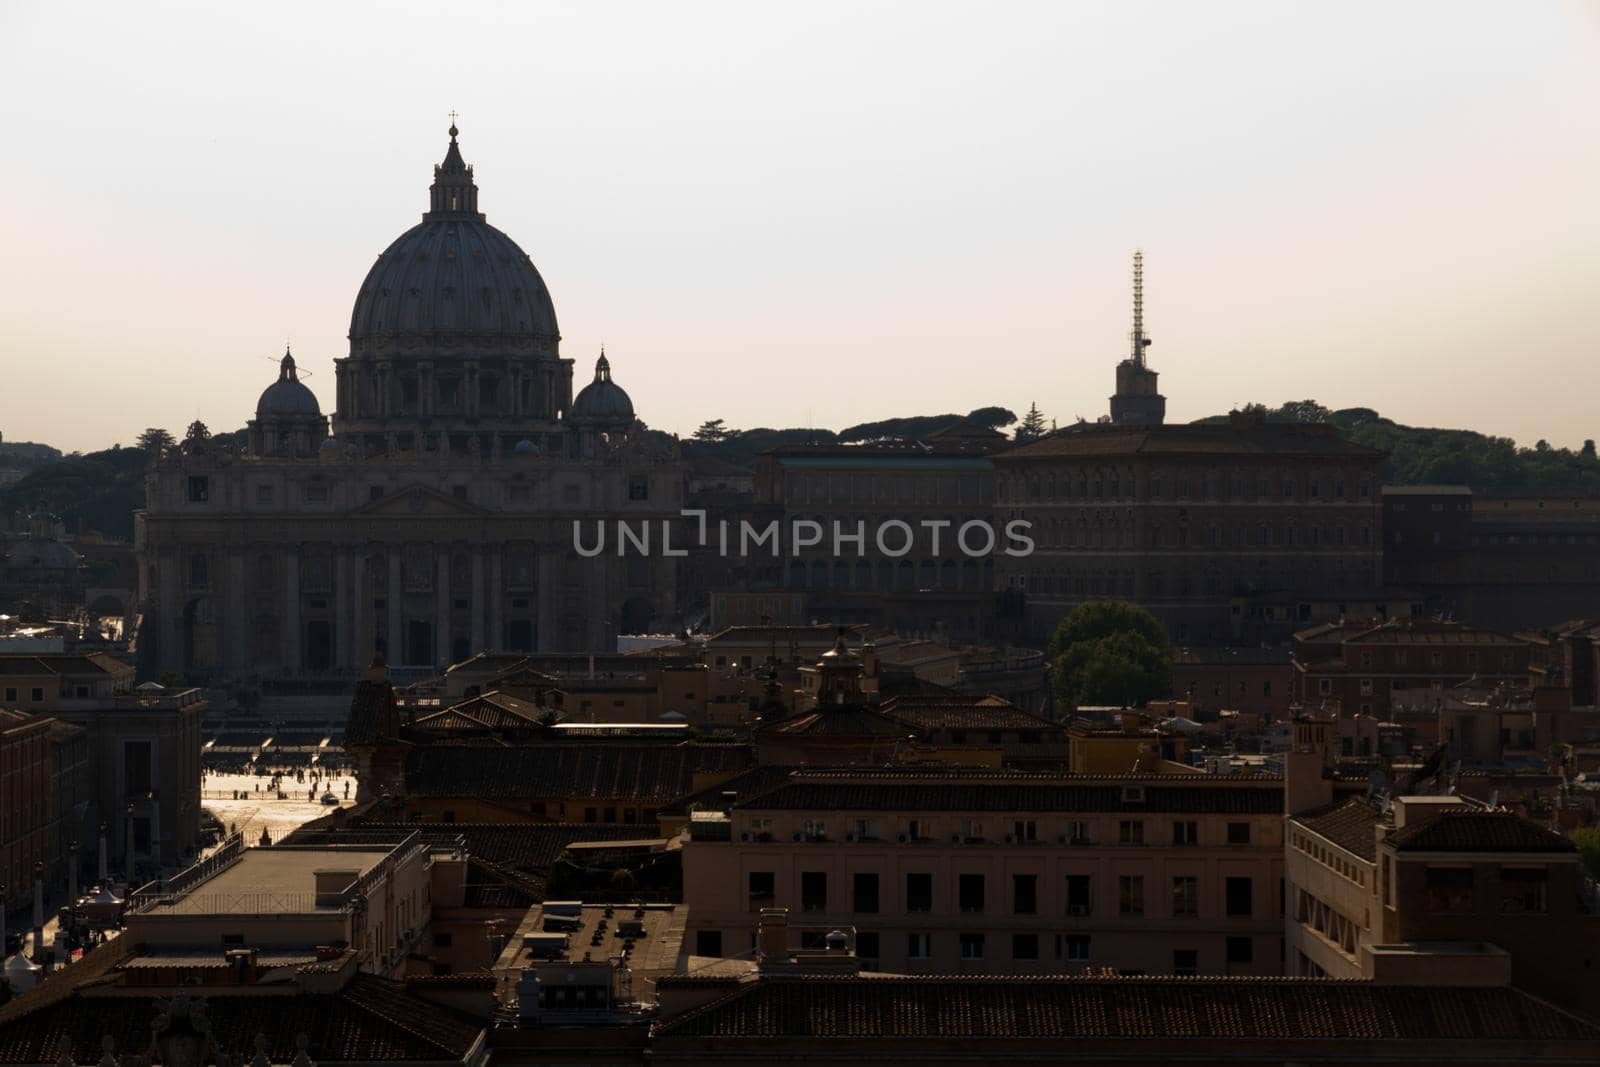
pixel 269 881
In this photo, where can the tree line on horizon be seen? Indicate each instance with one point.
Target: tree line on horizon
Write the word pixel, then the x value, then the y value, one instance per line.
pixel 104 488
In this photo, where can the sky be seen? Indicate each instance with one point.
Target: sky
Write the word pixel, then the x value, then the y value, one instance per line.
pixel 817 214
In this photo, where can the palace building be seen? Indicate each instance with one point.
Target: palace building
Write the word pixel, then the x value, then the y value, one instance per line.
pixel 435 517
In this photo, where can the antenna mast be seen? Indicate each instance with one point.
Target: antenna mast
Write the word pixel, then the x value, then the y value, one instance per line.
pixel 1139 341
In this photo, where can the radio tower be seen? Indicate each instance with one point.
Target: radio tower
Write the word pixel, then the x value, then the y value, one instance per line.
pixel 1137 401
pixel 1140 341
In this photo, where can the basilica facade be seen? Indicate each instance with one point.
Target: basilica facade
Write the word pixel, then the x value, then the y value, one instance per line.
pixel 435 516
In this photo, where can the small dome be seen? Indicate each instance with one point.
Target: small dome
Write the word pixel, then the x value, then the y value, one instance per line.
pixel 39 554
pixel 328 445
pixel 288 396
pixel 525 447
pixel 602 400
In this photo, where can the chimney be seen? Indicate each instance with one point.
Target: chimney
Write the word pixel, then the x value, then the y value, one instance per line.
pixel 1308 767
pixel 773 935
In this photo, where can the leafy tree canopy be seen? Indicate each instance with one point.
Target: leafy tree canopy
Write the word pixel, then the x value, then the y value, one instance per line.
pixel 1110 652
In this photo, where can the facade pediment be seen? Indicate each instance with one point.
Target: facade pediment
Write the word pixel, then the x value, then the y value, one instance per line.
pixel 414 500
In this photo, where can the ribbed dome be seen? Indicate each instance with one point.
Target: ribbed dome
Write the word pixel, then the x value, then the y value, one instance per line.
pixel 42 555
pixel 602 400
pixel 452 279
pixel 288 396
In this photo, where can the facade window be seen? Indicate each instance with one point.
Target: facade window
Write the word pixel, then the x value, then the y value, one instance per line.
pixel 1324 686
pixel 1130 832
pixel 1024 894
pixel 1130 894
pixel 1186 897
pixel 36 695
pixel 441 940
pixel 1077 948
pixel 1238 833
pixel 263 494
pixel 1024 946
pixel 919 892
pixel 969 888
pixel 814 890
pixel 1240 950
pixel 638 488
pixel 919 946
pixel 972 946
pixel 1185 961
pixel 1238 893
pixel 866 893
pixel 1524 891
pixel 867 948
pixel 708 943
pixel 1078 894
pixel 763 887
pixel 1448 890
pixel 199 489
pixel 1186 833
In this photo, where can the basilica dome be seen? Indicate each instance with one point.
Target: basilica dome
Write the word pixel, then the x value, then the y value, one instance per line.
pixel 452 280
pixel 602 400
pixel 288 396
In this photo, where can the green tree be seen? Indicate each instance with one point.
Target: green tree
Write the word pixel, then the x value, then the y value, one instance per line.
pixel 712 431
pixel 1588 841
pixel 1110 652
pixel 155 439
pixel 1032 427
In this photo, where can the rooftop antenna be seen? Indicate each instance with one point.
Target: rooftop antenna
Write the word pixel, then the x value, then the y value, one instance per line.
pixel 1140 341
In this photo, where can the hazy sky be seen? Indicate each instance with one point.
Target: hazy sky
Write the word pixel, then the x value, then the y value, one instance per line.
pixel 817 214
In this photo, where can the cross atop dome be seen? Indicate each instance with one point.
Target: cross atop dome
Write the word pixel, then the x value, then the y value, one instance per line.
pixel 454 194
pixel 286 372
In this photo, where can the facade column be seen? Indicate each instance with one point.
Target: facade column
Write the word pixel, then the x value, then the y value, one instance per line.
pixel 548 566
pixel 341 609
pixel 496 597
pixel 441 603
pixel 291 608
pixel 236 655
pixel 360 643
pixel 475 598
pixel 394 654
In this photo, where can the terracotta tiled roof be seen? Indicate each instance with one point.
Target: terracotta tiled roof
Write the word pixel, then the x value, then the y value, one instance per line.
pixel 369 1020
pixel 936 714
pixel 751 783
pixel 1047 1007
pixel 1353 826
pixel 1480 831
pixel 372 713
pixel 601 771
pixel 839 722
pixel 1016 791
pixel 491 711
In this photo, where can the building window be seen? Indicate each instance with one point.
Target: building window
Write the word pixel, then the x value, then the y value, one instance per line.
pixel 263 494
pixel 1240 950
pixel 1448 889
pixel 763 887
pixel 919 892
pixel 969 889
pixel 11 695
pixel 638 488
pixel 36 695
pixel 972 946
pixel 1185 961
pixel 813 891
pixel 441 940
pixel 866 893
pixel 374 492
pixel 1186 833
pixel 1077 948
pixel 1524 891
pixel 867 948
pixel 919 946
pixel 1130 832
pixel 1186 897
pixel 1130 894
pixel 315 494
pixel 1238 833
pixel 1024 946
pixel 1238 893
pixel 1025 894
pixel 1324 686
pixel 708 943
pixel 199 489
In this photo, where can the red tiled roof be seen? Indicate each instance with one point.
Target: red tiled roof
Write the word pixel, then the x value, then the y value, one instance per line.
pixel 963 714
pixel 1353 826
pixel 1054 1007
pixel 1480 831
pixel 1004 791
pixel 838 722
pixel 369 1020
pixel 602 771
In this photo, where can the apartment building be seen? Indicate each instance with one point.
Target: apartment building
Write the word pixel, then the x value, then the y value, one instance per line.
pixel 998 872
